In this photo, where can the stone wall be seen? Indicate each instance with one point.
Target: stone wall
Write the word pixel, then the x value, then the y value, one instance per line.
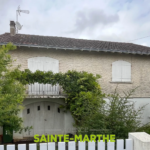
pixel 96 63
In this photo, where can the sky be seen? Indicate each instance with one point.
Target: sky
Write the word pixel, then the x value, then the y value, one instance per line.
pixel 105 20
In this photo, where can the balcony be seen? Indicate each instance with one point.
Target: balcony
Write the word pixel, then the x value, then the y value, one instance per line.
pixel 37 90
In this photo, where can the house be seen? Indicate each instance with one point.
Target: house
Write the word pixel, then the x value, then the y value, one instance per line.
pixel 124 64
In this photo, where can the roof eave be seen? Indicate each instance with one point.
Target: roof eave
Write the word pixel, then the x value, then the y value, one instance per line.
pixel 80 49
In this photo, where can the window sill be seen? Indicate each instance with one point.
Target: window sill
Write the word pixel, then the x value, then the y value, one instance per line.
pixel 121 82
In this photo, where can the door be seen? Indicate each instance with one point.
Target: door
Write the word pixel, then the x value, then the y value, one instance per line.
pixel 7 138
pixel 39 118
pixel 28 119
pixel 45 118
pixel 49 118
pixel 53 119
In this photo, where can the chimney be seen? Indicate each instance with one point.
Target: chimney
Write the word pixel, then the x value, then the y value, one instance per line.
pixel 12 28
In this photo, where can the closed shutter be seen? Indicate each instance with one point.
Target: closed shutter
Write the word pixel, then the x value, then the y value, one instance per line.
pixel 43 64
pixel 39 66
pixel 121 71
pixel 32 67
pixel 116 71
pixel 51 65
pixel 126 71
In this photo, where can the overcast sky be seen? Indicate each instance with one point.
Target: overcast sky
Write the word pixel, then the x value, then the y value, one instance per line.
pixel 106 20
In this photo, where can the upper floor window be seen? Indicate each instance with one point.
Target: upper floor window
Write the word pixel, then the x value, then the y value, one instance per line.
pixel 121 71
pixel 43 64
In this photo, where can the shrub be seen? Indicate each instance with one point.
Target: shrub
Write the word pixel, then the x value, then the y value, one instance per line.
pixel 118 117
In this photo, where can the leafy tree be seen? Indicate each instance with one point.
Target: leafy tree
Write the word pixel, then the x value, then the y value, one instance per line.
pixel 122 117
pixel 12 92
pixel 118 117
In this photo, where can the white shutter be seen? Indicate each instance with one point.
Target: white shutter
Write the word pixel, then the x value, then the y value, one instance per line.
pixel 43 64
pixel 126 71
pixel 32 66
pixel 116 71
pixel 54 67
pixel 46 86
pixel 121 71
pixel 39 87
pixel 51 65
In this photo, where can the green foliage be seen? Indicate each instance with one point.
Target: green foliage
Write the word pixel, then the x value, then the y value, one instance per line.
pixel 84 95
pixel 122 116
pixel 144 128
pixel 5 59
pixel 118 117
pixel 12 92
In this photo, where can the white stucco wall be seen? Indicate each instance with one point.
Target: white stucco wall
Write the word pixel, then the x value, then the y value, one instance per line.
pixel 96 63
pixel 139 102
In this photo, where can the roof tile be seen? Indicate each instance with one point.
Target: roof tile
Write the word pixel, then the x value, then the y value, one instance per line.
pixel 71 43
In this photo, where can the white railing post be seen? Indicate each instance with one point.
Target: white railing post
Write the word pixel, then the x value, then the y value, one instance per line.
pixel 51 146
pixel 101 145
pixel 81 145
pixel 10 147
pixel 21 146
pixel 1 147
pixel 110 145
pixel 129 144
pixel 61 146
pixel 91 145
pixel 43 146
pixel 32 147
pixel 141 140
pixel 120 144
pixel 71 145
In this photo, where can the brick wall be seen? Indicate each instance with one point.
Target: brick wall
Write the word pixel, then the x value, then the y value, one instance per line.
pixel 96 63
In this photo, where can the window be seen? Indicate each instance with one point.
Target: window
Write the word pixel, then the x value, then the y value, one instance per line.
pixel 28 111
pixel 121 71
pixel 38 108
pixel 43 64
pixel 48 107
pixel 58 110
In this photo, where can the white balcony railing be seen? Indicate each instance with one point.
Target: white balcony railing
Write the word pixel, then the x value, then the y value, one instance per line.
pixel 43 89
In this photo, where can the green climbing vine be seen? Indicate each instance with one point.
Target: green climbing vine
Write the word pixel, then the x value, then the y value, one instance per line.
pixel 84 95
